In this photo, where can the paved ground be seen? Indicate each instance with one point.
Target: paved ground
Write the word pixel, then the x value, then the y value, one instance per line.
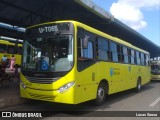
pixel 122 104
pixel 9 92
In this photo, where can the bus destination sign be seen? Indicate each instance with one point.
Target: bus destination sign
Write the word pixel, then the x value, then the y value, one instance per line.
pixel 48 29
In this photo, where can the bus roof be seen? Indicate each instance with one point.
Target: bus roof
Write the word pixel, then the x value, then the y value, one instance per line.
pixel 86 27
pixel 115 39
pixel 6 42
pixel 155 62
pixel 20 45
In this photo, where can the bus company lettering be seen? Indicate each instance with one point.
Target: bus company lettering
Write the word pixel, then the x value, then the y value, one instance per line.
pixel 48 29
pixel 114 71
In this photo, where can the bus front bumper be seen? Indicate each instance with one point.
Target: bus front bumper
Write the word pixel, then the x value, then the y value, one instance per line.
pixel 155 77
pixel 50 95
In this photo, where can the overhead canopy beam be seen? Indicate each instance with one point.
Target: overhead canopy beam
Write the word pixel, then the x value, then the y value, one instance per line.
pixel 24 13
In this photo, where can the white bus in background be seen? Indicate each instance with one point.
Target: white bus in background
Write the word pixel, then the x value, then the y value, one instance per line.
pixel 155 68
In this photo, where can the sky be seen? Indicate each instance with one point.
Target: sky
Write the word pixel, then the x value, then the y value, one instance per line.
pixel 141 15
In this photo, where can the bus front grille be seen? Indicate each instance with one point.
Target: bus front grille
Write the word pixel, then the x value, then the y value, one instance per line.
pixel 41 97
pixel 41 80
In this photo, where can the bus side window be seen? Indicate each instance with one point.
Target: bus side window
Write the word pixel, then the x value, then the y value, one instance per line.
pixel 138 58
pixel 80 35
pixel 102 49
pixel 132 56
pixel 88 53
pixel 11 49
pixel 19 50
pixel 142 59
pixel 147 60
pixel 120 56
pixel 114 54
pixel 135 58
pixel 129 55
pixel 125 54
pixel 3 48
pixel 86 50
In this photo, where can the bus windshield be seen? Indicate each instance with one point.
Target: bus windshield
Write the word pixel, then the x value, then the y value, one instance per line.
pixel 48 53
pixel 155 69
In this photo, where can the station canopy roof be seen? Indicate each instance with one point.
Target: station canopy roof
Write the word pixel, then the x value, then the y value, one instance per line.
pixel 24 13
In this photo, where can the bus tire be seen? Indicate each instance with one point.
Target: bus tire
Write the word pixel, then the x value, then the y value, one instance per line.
pixel 101 95
pixel 139 86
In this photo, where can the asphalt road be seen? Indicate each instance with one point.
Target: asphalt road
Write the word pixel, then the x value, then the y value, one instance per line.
pixel 125 104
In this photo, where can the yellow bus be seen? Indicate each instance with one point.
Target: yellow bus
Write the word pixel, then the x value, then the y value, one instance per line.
pixel 70 62
pixel 8 49
pixel 155 69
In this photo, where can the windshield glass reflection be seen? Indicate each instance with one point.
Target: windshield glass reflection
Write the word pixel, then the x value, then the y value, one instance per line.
pixel 51 53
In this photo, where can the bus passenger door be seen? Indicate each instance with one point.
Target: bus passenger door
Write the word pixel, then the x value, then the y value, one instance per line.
pixel 86 76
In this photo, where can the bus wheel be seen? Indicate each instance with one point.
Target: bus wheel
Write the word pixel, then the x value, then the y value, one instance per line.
pixel 101 95
pixel 138 87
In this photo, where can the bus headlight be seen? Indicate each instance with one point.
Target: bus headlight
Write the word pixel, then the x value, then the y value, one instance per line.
pixel 65 87
pixel 22 84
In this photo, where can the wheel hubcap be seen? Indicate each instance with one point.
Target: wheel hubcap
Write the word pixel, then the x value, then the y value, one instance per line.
pixel 139 86
pixel 100 94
